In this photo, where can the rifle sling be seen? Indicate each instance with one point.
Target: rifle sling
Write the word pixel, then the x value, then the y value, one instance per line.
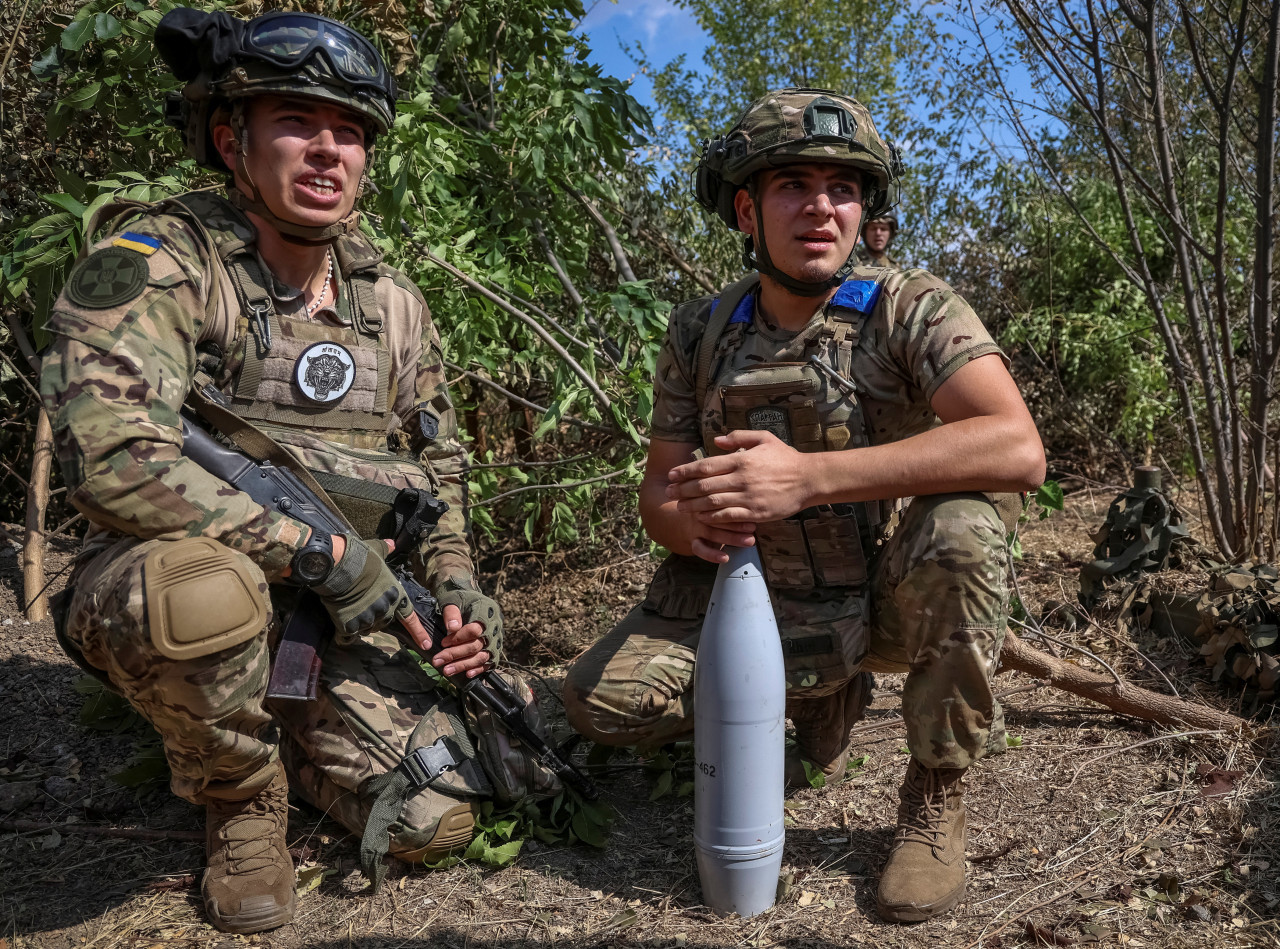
pixel 258 445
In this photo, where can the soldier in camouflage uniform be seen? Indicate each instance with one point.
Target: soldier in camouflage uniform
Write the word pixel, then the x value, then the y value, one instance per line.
pixel 270 300
pixel 892 388
pixel 877 235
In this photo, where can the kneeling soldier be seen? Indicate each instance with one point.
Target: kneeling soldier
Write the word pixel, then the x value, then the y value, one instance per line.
pixel 888 384
pixel 269 302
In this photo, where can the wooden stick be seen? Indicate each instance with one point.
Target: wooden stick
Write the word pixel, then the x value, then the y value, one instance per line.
pixel 1124 697
pixel 33 545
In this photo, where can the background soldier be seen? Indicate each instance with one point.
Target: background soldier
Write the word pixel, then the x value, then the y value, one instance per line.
pixel 270 298
pixel 890 382
pixel 877 234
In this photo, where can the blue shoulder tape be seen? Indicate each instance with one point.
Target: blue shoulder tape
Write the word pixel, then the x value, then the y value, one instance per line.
pixel 743 312
pixel 860 295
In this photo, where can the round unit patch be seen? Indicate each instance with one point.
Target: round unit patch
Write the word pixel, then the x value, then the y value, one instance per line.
pixel 107 278
pixel 325 371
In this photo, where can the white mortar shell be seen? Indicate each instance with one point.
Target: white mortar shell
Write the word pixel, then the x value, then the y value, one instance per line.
pixel 739 725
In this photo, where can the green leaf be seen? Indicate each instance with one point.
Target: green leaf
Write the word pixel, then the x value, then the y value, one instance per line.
pixel 77 33
pixel 503 855
pixel 1012 741
pixel 105 26
pixel 661 787
pixel 82 98
pixel 47 65
pixel 56 121
pixel 1049 496
pixel 66 203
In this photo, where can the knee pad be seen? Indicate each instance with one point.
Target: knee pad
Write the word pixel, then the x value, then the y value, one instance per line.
pixel 201 598
pixel 453 831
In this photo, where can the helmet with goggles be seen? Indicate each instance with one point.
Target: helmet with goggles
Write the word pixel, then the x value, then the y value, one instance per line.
pixel 224 59
pixel 887 218
pixel 795 126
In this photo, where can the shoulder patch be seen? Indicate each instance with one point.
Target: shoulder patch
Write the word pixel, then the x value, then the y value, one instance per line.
pixel 143 243
pixel 860 295
pixel 108 278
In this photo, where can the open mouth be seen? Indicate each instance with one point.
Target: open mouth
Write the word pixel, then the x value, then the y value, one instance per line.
pixel 322 185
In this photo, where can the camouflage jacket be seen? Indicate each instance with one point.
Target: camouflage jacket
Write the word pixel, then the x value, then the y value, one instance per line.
pixel 148 307
pixel 868 259
pixel 917 334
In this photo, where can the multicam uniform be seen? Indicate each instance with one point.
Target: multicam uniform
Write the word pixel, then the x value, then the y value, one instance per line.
pixel 181 295
pixel 868 259
pixel 930 598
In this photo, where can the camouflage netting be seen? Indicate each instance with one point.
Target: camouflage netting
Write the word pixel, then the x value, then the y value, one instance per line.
pixel 1239 627
pixel 1142 533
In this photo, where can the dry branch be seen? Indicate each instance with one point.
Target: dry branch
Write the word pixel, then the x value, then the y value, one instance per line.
pixel 1124 697
pixel 33 545
pixel 99 830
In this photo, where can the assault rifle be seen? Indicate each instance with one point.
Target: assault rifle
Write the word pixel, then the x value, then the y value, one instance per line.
pixel 296 670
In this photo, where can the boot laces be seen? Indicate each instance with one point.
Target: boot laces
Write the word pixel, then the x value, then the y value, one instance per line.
pixel 924 805
pixel 247 833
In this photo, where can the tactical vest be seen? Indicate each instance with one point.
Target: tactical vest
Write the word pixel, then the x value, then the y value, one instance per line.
pixel 325 392
pixel 816 562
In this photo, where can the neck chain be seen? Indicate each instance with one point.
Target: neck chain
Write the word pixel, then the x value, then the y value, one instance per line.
pixel 328 278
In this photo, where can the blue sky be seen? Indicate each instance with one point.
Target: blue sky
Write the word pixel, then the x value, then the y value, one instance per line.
pixel 663 29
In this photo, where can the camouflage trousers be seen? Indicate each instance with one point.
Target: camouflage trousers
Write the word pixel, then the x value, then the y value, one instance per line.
pixel 222 737
pixel 938 611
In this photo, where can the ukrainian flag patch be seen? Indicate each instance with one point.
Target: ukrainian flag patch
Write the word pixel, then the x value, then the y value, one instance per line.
pixel 143 243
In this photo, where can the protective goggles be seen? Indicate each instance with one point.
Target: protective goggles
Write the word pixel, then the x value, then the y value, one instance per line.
pixel 287 40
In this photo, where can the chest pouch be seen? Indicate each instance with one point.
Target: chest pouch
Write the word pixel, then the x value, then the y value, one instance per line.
pixel 819 546
pixel 781 398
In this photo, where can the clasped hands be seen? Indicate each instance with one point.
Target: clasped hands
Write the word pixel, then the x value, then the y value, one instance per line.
pixel 761 479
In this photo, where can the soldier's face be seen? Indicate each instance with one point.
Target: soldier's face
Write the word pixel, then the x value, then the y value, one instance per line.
pixel 876 236
pixel 304 157
pixel 810 215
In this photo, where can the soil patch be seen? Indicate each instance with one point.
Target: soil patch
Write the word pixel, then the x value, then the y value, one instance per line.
pixel 1092 829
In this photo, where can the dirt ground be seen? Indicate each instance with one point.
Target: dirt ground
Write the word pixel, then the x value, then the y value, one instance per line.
pixel 1092 829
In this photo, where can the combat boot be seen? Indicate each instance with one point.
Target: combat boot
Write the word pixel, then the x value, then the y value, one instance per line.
pixel 822 730
pixel 248 885
pixel 924 876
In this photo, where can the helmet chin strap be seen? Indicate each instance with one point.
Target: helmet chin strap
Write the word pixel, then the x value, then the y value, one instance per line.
pixel 755 256
pixel 307 235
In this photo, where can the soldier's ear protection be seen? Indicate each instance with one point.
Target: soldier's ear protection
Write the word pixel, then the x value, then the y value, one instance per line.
pixel 709 187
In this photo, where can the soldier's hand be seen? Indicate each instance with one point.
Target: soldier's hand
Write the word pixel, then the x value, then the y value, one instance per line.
pixel 760 479
pixel 361 593
pixel 473 622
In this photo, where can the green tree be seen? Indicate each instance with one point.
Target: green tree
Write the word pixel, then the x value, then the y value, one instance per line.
pixel 1178 104
pixel 496 198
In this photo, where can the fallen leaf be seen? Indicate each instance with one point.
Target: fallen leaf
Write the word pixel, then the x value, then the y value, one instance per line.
pixel 1043 936
pixel 807 897
pixel 311 878
pixel 1216 781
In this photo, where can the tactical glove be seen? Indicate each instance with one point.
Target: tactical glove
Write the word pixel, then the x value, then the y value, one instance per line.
pixel 477 608
pixel 361 593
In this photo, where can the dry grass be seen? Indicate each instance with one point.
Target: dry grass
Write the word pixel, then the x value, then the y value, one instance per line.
pixel 1093 830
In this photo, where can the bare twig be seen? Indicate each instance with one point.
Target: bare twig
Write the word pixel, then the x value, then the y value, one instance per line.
pixel 520 400
pixel 99 830
pixel 549 487
pixel 1138 744
pixel 20 336
pixel 615 246
pixel 520 315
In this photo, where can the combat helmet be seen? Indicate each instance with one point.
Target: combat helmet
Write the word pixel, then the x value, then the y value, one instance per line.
pixel 792 126
pixel 888 217
pixel 224 60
